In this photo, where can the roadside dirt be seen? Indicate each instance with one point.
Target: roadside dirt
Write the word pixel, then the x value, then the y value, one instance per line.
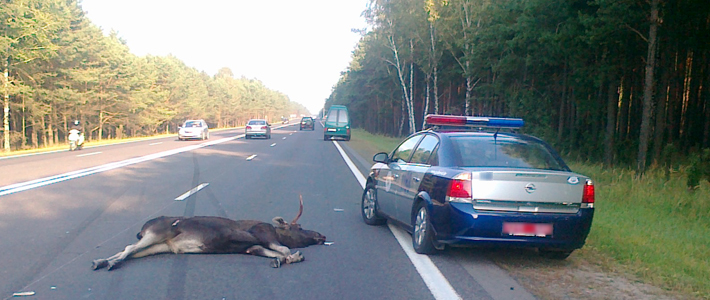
pixel 577 277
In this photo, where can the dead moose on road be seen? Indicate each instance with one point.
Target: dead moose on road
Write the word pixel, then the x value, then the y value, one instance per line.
pixel 216 235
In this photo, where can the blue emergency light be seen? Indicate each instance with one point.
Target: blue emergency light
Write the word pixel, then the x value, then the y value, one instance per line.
pixel 492 122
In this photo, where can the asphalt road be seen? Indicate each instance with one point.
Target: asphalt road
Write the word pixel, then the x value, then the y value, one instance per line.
pixel 61 210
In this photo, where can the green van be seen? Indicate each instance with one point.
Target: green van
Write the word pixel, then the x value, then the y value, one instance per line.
pixel 337 123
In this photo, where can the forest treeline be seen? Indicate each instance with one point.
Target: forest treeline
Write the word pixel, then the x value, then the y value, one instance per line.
pixel 59 67
pixel 615 81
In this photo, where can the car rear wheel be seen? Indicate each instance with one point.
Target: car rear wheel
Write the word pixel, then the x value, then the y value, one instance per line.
pixel 326 138
pixel 423 235
pixel 247 137
pixel 554 254
pixel 369 207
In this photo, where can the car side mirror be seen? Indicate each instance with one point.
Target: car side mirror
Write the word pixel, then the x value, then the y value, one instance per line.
pixel 381 157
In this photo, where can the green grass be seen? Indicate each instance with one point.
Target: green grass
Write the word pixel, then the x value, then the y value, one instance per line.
pixel 367 144
pixel 652 227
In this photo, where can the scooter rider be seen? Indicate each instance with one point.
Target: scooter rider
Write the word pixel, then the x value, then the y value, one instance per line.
pixel 77 130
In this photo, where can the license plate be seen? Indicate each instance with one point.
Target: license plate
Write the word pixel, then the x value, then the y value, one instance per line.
pixel 527 229
pixel 332 129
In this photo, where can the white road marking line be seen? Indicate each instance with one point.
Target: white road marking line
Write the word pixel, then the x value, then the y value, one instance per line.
pixel 153 144
pixel 274 144
pixel 191 192
pixel 88 154
pixel 27 185
pixel 251 157
pixel 283 138
pixel 439 287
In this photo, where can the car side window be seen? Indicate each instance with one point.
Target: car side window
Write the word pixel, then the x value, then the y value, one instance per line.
pixel 434 158
pixel 424 150
pixel 402 153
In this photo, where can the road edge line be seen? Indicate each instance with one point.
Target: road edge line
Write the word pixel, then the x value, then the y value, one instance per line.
pixel 437 283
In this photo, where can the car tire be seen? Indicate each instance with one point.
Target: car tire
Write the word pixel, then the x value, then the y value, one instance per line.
pixel 247 137
pixel 368 207
pixel 326 138
pixel 422 233
pixel 554 254
pixel 347 138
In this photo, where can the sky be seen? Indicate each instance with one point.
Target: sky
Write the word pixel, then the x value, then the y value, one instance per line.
pixel 297 48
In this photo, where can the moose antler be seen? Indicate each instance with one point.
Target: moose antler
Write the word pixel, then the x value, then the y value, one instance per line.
pixel 300 210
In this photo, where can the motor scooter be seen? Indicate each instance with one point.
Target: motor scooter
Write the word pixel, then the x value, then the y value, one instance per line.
pixel 76 140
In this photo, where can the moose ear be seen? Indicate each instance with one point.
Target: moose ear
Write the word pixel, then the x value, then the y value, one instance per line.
pixel 280 222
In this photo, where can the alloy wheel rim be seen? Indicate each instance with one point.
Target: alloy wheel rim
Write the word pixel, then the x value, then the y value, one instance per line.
pixel 369 204
pixel 420 226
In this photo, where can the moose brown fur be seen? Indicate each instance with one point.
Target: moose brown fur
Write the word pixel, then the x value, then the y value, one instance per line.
pixel 206 234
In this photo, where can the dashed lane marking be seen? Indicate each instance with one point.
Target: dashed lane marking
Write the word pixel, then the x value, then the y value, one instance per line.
pixel 88 154
pixel 191 192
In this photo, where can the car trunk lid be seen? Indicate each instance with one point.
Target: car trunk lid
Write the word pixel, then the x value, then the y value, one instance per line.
pixel 524 190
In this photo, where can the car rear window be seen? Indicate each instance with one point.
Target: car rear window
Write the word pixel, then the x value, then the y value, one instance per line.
pixel 257 122
pixel 504 152
pixel 192 124
pixel 342 117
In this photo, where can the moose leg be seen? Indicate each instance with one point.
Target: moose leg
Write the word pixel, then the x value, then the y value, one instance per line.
pixel 279 258
pixel 148 240
pixel 152 250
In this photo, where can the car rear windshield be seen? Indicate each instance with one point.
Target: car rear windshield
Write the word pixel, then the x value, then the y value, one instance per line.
pixel 257 122
pixel 192 124
pixel 505 152
pixel 340 116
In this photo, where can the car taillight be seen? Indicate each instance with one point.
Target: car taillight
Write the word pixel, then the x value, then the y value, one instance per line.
pixel 588 194
pixel 263 127
pixel 248 127
pixel 460 188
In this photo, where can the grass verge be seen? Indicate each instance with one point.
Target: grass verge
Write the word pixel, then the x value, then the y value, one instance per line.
pixel 652 227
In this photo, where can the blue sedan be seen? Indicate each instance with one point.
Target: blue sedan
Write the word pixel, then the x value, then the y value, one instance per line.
pixel 473 181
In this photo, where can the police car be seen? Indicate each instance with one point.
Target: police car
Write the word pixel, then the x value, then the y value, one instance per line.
pixel 474 181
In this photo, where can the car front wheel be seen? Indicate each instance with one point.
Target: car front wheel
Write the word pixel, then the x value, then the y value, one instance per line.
pixel 423 235
pixel 369 207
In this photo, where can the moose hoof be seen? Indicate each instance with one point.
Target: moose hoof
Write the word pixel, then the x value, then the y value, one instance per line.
pixel 113 265
pixel 295 257
pixel 276 263
pixel 99 263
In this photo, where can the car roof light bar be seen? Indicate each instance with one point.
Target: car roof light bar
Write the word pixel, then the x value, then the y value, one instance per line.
pixel 446 120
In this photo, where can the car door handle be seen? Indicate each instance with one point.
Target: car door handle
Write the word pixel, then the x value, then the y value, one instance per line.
pixel 416 179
